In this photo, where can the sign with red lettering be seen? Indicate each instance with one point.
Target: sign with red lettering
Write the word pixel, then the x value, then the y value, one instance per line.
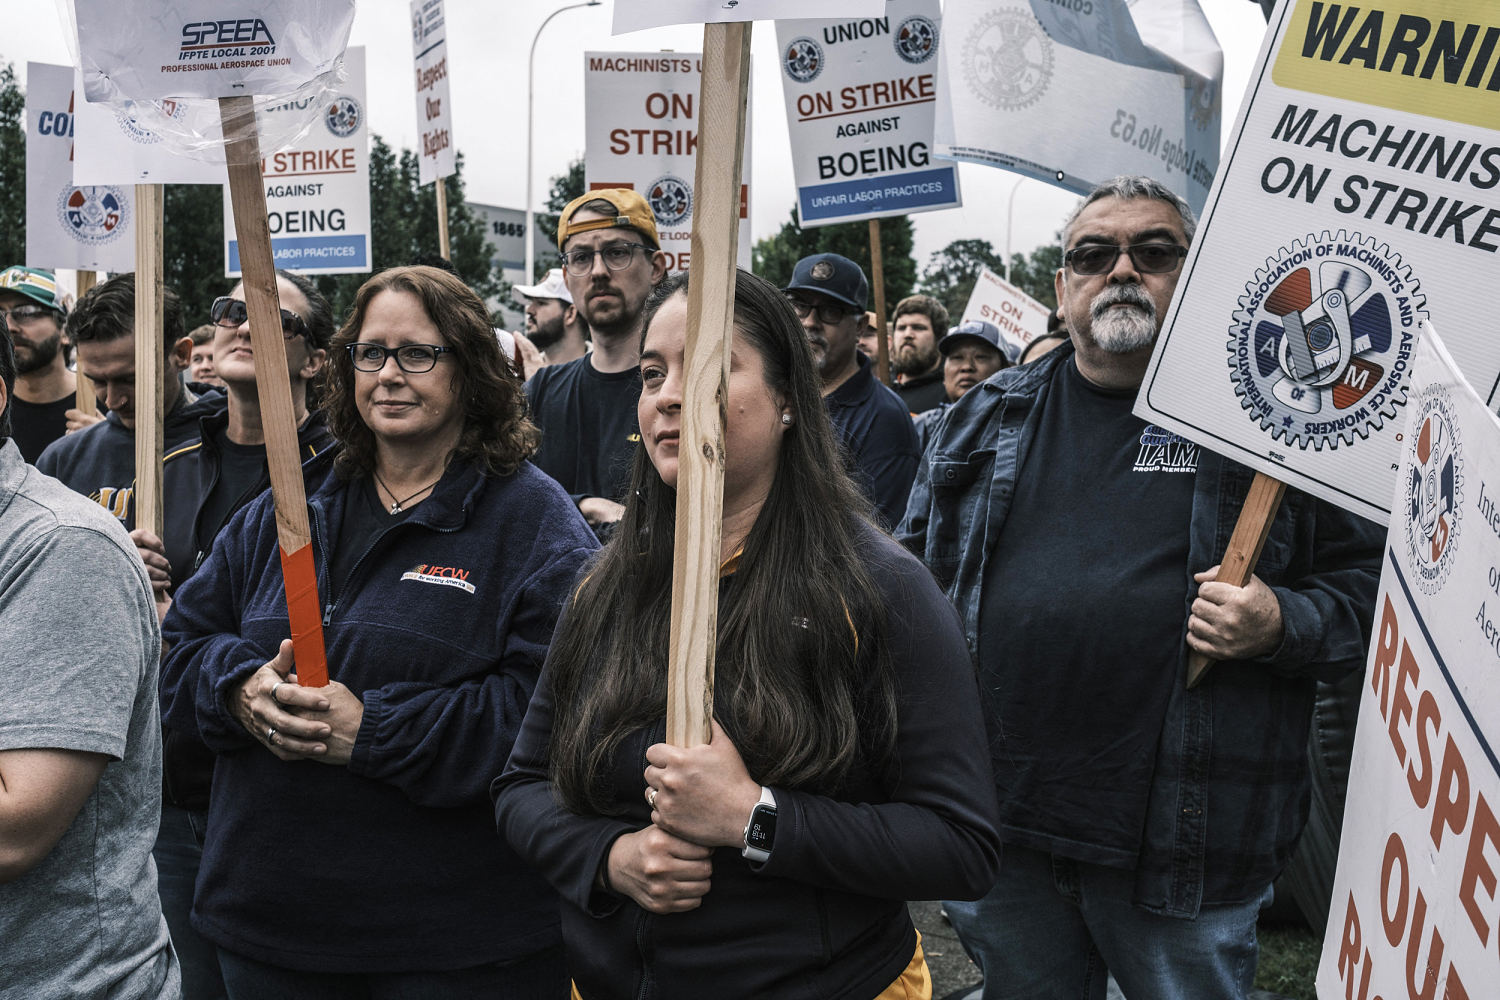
pixel 860 99
pixel 641 132
pixel 436 155
pixel 632 15
pixel 995 300
pixel 1416 911
pixel 318 193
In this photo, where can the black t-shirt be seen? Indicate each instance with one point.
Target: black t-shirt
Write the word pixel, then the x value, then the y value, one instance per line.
pixel 1081 622
pixel 34 426
pixel 365 518
pixel 589 428
pixel 924 392
pixel 242 467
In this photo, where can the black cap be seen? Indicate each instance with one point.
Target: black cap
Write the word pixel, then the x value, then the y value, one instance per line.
pixel 837 277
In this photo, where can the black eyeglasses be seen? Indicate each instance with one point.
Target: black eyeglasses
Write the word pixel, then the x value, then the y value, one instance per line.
pixel 414 359
pixel 25 314
pixel 1148 258
pixel 828 312
pixel 616 258
pixel 231 313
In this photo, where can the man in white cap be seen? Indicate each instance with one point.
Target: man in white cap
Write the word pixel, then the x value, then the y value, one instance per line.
pixel 553 323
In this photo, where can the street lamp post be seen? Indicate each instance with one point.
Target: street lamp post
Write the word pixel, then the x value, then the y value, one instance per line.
pixel 530 103
pixel 1010 213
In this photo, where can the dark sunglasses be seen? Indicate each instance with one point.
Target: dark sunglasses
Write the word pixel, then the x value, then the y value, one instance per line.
pixel 1148 258
pixel 231 313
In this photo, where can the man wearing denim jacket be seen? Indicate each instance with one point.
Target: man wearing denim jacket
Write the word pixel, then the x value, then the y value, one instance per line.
pixel 1144 823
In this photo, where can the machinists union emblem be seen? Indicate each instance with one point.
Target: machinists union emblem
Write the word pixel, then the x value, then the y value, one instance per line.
pixel 93 215
pixel 1007 59
pixel 1434 489
pixel 916 39
pixel 132 117
pixel 343 116
pixel 671 200
pixel 1323 338
pixel 802 60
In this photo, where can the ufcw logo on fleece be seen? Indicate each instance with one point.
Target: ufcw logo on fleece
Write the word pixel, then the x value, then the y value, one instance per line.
pixel 443 576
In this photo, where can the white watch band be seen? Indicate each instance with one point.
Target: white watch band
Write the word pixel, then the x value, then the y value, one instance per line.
pixel 755 853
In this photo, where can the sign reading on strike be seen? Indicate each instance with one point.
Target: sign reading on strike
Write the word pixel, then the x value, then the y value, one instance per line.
pixel 994 300
pixel 436 154
pixel 641 131
pixel 1357 199
pixel 88 227
pixel 1415 909
pixel 318 193
pixel 632 15
pixel 860 98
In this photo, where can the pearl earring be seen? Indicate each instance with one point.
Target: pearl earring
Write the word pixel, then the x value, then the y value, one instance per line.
pixel 786 418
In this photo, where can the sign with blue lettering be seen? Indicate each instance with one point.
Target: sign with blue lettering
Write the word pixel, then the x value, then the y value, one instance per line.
pixel 318 192
pixel 860 101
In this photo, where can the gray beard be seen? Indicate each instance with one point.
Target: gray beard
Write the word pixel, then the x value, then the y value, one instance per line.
pixel 1123 331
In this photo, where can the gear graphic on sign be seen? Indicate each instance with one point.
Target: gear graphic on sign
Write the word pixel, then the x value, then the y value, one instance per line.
pixel 343 116
pixel 802 60
pixel 1434 490
pixel 1007 59
pixel 916 39
pixel 1322 341
pixel 671 200
pixel 94 214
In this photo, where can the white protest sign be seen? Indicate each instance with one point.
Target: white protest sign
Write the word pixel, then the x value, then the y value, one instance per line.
pixel 641 132
pixel 860 97
pixel 124 144
pixel 436 154
pixel 1355 200
pixel 505 231
pixel 88 227
pixel 146 50
pixel 994 300
pixel 318 193
pixel 632 15
pixel 1415 909
pixel 1011 96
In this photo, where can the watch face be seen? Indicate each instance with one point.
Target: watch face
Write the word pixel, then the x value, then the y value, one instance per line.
pixel 761 832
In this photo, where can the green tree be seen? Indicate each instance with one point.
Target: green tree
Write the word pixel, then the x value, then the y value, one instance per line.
pixel 775 256
pixel 12 169
pixel 193 248
pixel 564 188
pixel 951 272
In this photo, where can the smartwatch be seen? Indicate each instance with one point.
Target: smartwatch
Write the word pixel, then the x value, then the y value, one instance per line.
pixel 760 832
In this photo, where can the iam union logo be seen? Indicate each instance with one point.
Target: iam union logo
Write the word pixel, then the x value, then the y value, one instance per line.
pixel 1434 489
pixel 671 200
pixel 93 215
pixel 1322 339
pixel 802 60
pixel 916 39
pixel 1007 59
pixel 342 116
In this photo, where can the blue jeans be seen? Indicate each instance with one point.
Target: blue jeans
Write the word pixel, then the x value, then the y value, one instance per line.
pixel 1054 929
pixel 178 853
pixel 542 975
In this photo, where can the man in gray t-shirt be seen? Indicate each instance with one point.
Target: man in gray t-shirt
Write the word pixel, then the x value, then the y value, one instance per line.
pixel 80 746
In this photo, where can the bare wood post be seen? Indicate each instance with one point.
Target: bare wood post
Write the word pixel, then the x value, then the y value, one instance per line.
pixel 441 184
pixel 247 197
pixel 877 282
pixel 83 398
pixel 700 477
pixel 150 378
pixel 1243 551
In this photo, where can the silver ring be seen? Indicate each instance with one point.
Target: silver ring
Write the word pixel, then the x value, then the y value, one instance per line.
pixel 271 735
pixel 273 690
pixel 651 798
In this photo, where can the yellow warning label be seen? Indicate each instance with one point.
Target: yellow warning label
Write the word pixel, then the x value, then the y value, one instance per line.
pixel 1429 57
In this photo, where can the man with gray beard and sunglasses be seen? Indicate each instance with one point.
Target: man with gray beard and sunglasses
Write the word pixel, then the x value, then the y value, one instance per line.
pixel 1143 822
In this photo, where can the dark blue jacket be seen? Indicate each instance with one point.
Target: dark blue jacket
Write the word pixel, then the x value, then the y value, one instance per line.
pixel 390 863
pixel 874 426
pixel 1229 795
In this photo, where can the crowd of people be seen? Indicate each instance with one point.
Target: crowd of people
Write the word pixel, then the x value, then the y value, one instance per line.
pixel 953 623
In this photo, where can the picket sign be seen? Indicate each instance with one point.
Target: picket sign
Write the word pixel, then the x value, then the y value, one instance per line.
pixel 150 382
pixel 723 97
pixel 877 280
pixel 273 384
pixel 83 398
pixel 440 186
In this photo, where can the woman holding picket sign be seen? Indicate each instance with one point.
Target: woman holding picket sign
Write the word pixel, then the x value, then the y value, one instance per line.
pixel 847 769
pixel 350 847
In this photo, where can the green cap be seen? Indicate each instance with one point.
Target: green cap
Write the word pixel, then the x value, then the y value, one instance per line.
pixel 35 284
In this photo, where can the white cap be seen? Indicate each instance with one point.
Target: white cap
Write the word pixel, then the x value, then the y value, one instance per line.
pixel 550 287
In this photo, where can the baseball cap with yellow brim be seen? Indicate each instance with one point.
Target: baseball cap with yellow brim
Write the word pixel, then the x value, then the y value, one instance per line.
pixel 34 283
pixel 631 212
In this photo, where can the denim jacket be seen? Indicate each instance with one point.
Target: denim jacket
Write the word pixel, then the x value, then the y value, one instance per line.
pixel 1229 793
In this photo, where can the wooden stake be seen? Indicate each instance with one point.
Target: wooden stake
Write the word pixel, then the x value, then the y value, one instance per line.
pixel 247 197
pixel 442 213
pixel 722 97
pixel 83 399
pixel 1243 551
pixel 150 362
pixel 877 281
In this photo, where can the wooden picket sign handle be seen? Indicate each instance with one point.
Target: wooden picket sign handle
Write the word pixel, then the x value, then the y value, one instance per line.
pixel 722 98
pixel 83 397
pixel 877 282
pixel 442 217
pixel 247 197
pixel 150 360
pixel 1243 551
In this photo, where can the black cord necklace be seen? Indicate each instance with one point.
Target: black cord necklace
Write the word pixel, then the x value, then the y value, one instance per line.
pixel 398 505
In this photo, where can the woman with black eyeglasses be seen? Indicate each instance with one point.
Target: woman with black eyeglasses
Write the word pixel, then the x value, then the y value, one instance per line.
pixel 349 847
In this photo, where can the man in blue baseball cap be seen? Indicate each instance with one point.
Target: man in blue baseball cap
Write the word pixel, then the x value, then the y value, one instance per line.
pixel 829 294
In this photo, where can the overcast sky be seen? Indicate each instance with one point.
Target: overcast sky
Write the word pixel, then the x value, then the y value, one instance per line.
pixel 489 41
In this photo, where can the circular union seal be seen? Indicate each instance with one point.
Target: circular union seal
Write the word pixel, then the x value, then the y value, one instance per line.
pixel 343 116
pixel 916 39
pixel 802 60
pixel 1434 490
pixel 1007 59
pixel 131 118
pixel 671 200
pixel 1323 338
pixel 93 215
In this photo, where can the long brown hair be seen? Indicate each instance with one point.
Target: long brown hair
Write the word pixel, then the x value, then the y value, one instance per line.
pixel 496 433
pixel 803 681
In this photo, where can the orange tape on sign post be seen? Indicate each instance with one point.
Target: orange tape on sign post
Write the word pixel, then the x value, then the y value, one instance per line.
pixel 301 578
